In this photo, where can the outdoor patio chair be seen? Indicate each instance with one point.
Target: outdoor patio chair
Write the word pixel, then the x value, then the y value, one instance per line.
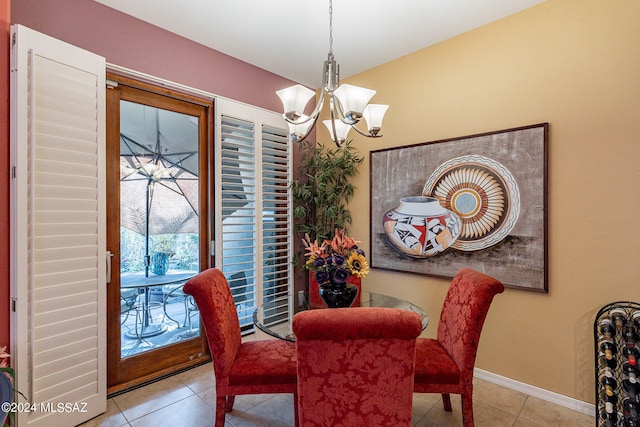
pixel 190 308
pixel 128 298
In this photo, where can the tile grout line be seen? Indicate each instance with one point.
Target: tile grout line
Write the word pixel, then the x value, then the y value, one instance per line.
pixel 520 411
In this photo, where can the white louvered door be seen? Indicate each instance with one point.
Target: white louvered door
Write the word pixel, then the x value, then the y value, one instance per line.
pixel 58 229
pixel 253 234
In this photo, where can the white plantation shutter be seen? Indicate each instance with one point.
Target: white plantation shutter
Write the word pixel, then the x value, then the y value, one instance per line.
pixel 237 258
pixel 276 234
pixel 58 229
pixel 253 237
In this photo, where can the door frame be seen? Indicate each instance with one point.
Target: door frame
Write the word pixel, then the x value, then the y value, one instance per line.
pixel 123 374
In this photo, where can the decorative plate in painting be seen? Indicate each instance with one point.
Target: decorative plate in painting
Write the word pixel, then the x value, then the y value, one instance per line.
pixel 483 193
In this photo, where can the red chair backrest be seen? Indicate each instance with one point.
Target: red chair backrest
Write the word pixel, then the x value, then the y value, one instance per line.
pixel 212 294
pixel 356 366
pixel 463 313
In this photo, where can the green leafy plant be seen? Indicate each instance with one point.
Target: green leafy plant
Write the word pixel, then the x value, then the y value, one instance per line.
pixel 322 194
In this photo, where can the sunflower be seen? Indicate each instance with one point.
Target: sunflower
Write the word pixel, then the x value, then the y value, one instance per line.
pixel 357 264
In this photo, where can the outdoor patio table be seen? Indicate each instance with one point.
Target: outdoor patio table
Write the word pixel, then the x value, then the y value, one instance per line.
pixel 137 280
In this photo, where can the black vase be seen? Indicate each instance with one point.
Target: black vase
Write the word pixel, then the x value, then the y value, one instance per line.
pixel 336 296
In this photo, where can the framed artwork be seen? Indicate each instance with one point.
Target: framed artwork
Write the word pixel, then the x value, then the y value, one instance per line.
pixel 477 201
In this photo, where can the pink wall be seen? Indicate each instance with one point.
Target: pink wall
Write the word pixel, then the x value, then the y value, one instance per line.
pixel 129 42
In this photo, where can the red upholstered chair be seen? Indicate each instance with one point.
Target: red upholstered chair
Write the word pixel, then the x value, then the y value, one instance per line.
pixel 355 366
pixel 240 368
pixel 445 365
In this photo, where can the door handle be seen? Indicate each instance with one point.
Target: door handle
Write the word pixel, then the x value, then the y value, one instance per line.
pixel 109 256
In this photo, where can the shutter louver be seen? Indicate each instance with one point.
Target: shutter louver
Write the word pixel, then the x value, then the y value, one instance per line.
pixel 60 266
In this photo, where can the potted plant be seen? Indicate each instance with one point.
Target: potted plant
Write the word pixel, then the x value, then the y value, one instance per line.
pixel 322 192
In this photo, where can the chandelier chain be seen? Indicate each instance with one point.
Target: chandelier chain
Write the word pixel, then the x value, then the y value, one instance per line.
pixel 331 26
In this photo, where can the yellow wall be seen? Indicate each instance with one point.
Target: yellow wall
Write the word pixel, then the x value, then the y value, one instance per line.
pixel 576 65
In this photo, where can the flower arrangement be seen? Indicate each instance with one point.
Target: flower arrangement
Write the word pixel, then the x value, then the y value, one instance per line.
pixel 335 260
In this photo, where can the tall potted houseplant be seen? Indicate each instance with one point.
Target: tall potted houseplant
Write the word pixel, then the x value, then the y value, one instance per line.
pixel 321 195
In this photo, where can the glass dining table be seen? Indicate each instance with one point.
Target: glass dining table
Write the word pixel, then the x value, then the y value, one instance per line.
pixel 279 325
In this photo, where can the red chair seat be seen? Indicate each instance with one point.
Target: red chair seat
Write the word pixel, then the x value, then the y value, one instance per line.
pixel 264 362
pixel 433 363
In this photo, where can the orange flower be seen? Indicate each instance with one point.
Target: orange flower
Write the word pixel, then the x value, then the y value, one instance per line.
pixel 313 249
pixel 4 357
pixel 341 243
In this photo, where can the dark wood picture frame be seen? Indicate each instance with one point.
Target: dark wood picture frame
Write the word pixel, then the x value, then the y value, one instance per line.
pixel 511 248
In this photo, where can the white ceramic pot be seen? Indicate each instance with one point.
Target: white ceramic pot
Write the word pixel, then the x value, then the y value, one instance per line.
pixel 420 227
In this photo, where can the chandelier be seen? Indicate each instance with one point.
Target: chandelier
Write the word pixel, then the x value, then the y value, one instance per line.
pixel 348 104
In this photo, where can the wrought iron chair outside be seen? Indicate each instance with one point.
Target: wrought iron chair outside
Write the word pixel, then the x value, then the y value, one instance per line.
pixel 190 307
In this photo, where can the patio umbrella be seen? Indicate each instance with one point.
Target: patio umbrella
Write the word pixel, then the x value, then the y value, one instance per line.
pixel 158 172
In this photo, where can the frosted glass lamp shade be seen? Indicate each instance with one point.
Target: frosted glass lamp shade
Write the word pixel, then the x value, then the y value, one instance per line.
pixel 294 100
pixel 353 100
pixel 298 132
pixel 373 115
pixel 342 130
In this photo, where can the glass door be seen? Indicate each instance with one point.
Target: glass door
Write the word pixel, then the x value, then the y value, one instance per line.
pixel 157 232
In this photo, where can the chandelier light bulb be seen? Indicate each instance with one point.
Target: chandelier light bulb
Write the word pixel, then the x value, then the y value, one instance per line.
pixel 294 100
pixel 373 115
pixel 297 132
pixel 342 130
pixel 353 100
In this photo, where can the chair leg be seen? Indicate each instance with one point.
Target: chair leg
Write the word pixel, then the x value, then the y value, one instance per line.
pixel 138 334
pixel 446 402
pixel 467 409
pixel 164 308
pixel 220 412
pixel 229 406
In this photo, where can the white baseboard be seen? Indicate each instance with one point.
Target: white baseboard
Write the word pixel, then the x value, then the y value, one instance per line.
pixel 550 396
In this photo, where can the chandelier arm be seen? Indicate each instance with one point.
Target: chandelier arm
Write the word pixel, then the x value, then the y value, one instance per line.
pixel 334 133
pixel 368 135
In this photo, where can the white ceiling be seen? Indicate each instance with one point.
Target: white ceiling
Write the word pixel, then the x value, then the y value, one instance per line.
pixel 291 37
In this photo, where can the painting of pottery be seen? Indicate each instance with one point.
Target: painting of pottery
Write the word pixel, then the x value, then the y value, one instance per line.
pixel 420 227
pixel 477 201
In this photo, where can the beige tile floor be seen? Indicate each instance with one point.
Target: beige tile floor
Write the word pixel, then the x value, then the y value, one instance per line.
pixel 188 399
